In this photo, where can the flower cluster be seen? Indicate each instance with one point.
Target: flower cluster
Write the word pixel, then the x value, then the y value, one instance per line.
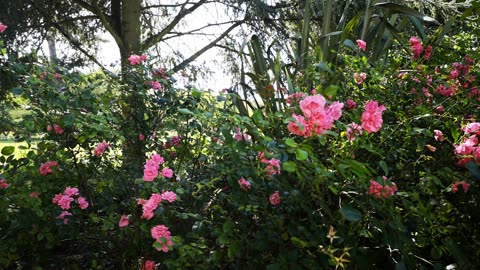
pixel 359 77
pixel 64 199
pixel 46 168
pixel 417 49
pixel 317 116
pixel 273 164
pixel 137 60
pixel 380 191
pixel 152 166
pixel 56 128
pixel 156 85
pixel 161 234
pixel 150 205
pixel 469 147
pixel 100 149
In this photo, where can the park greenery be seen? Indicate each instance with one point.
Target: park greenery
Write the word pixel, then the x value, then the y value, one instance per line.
pixel 349 141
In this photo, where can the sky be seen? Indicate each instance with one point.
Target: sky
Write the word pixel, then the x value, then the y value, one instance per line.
pixel 109 54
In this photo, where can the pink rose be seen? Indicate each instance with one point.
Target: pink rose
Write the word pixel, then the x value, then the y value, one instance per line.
pixel 45 168
pixel 2 27
pixel 123 221
pixel 82 202
pixel 372 117
pixel 275 198
pixel 362 45
pixel 149 265
pixel 244 184
pixel 100 149
pixel 167 173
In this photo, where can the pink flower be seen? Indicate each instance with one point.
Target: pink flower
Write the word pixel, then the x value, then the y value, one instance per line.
pixel 134 59
pixel 313 106
pixel 439 109
pixel 63 215
pixel 100 149
pixel 123 221
pixel 416 47
pixel 438 135
pixel 150 173
pixel 156 85
pixel 57 198
pixel 362 45
pixel 141 137
pixel 359 77
pixel 273 167
pixel 64 202
pixel 45 168
pixel 351 104
pixel 71 191
pixel 244 184
pixel 3 184
pixel 275 198
pixel 380 191
pixel 465 186
pixel 58 129
pixel 169 196
pixel 2 27
pixel 149 265
pixel 471 128
pixel 82 202
pixel 240 136
pixel 157 159
pixel 372 117
pixel 299 127
pixel 162 235
pixel 34 194
pixel 57 76
pixel 353 130
pixel 167 173
pixel 143 57
pixel 334 110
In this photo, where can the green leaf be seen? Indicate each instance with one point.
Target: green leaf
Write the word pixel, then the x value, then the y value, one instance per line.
pixel 228 226
pixel 473 168
pixel 289 166
pixel 384 167
pixel 350 213
pixel 291 143
pixel 298 242
pixel 8 150
pixel 185 111
pixel 331 90
pixel 395 8
pixel 301 155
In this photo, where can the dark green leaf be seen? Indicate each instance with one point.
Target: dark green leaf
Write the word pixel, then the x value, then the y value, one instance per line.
pixel 350 213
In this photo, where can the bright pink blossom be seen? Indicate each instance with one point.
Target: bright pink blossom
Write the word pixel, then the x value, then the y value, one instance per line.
pixel 167 173
pixel 123 221
pixel 82 202
pixel 134 59
pixel 156 85
pixel 275 198
pixel 157 158
pixel 162 235
pixel 313 106
pixel 273 167
pixel 244 184
pixel 71 191
pixel 100 149
pixel 45 168
pixel 471 128
pixel 141 137
pixel 149 265
pixel 169 196
pixel 64 202
pixel 465 186
pixel 63 215
pixel 334 110
pixel 351 104
pixel 380 191
pixel 3 184
pixel 372 117
pixel 362 45
pixel 299 127
pixel 2 27
pixel 416 47
pixel 34 194
pixel 150 173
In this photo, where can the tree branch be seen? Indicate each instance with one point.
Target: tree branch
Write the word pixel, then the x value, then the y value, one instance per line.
pixel 152 40
pixel 204 49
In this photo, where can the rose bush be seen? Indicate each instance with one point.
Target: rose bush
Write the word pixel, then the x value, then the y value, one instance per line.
pixel 370 171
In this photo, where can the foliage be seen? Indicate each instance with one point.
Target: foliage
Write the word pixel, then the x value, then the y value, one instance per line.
pixel 291 185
